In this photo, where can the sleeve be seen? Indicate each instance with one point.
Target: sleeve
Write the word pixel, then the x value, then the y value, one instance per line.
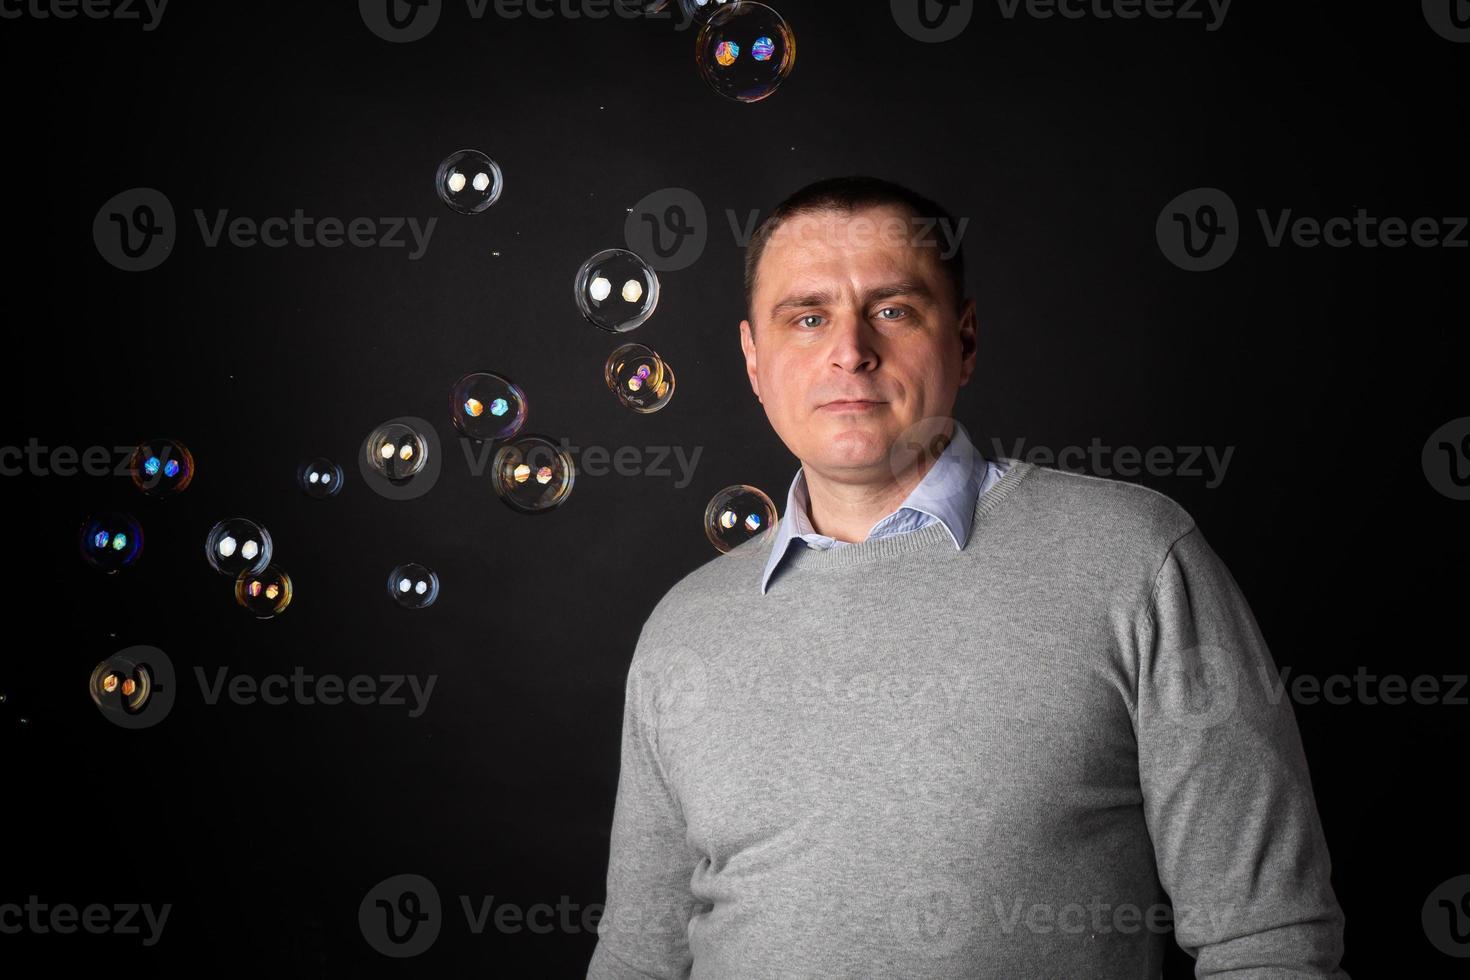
pixel 1226 792
pixel 643 932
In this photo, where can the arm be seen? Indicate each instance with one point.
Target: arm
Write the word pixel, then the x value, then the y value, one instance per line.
pixel 1226 792
pixel 643 931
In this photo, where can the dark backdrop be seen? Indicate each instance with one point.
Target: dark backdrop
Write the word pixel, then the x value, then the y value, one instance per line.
pixel 1325 370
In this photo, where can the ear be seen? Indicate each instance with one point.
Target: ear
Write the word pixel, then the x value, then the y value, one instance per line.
pixel 747 344
pixel 967 341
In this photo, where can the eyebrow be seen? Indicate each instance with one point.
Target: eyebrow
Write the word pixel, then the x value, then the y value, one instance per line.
pixel 901 287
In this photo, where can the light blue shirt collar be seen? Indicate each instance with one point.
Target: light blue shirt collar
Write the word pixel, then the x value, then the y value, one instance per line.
pixel 947 493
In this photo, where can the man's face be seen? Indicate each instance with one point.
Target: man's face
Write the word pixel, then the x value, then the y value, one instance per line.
pixel 857 337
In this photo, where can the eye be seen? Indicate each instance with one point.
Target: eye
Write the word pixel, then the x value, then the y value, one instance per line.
pixel 897 311
pixel 802 321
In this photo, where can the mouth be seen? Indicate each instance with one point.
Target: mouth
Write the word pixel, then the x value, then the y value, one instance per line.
pixel 851 405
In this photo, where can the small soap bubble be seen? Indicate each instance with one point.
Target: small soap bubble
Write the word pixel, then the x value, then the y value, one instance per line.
pixel 413 586
pixel 397 452
pixel 616 290
pixel 736 514
pixel 746 51
pixel 641 379
pixel 703 10
pixel 532 474
pixel 469 181
pixel 266 592
pixel 237 545
pixel 319 478
pixel 110 542
pixel 126 688
pixel 161 467
pixel 487 406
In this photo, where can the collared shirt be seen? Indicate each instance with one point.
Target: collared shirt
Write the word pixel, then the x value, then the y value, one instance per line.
pixel 947 493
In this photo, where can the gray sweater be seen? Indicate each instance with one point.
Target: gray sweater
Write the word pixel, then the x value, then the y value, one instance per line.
pixel 1044 755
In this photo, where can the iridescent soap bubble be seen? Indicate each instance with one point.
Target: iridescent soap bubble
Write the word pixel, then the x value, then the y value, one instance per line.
pixel 266 592
pixel 487 406
pixel 703 10
pixel 161 467
pixel 469 181
pixel 641 379
pixel 319 478
pixel 746 51
pixel 236 546
pixel 110 542
pixel 532 474
pixel 616 290
pixel 123 689
pixel 396 451
pixel 736 514
pixel 413 586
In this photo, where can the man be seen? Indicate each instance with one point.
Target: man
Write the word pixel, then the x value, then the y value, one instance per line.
pixel 953 717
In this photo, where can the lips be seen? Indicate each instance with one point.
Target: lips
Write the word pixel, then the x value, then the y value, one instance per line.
pixel 852 404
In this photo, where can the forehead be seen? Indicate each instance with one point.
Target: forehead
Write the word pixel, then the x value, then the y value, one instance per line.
pixel 861 245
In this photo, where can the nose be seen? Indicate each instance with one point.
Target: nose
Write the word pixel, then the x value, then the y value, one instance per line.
pixel 853 343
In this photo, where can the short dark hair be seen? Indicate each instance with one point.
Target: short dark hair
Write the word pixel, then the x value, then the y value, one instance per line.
pixel 848 194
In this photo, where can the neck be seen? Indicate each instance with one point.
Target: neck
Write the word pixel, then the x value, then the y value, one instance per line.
pixel 846 511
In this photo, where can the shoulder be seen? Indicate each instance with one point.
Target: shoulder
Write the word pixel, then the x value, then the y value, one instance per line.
pixel 707 600
pixel 1101 512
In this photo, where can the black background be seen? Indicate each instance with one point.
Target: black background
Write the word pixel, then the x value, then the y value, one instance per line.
pixel 1325 368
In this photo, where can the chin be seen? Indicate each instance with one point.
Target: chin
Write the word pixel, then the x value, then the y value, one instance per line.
pixel 854 446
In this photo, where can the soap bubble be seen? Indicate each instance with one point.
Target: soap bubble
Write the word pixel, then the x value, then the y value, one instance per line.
pixel 746 51
pixel 161 467
pixel 134 688
pixel 616 290
pixel 641 379
pixel 487 406
pixel 736 514
pixel 110 542
pixel 237 545
pixel 532 474
pixel 413 586
pixel 396 451
pixel 469 181
pixel 703 10
pixel 381 458
pixel 265 593
pixel 319 478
